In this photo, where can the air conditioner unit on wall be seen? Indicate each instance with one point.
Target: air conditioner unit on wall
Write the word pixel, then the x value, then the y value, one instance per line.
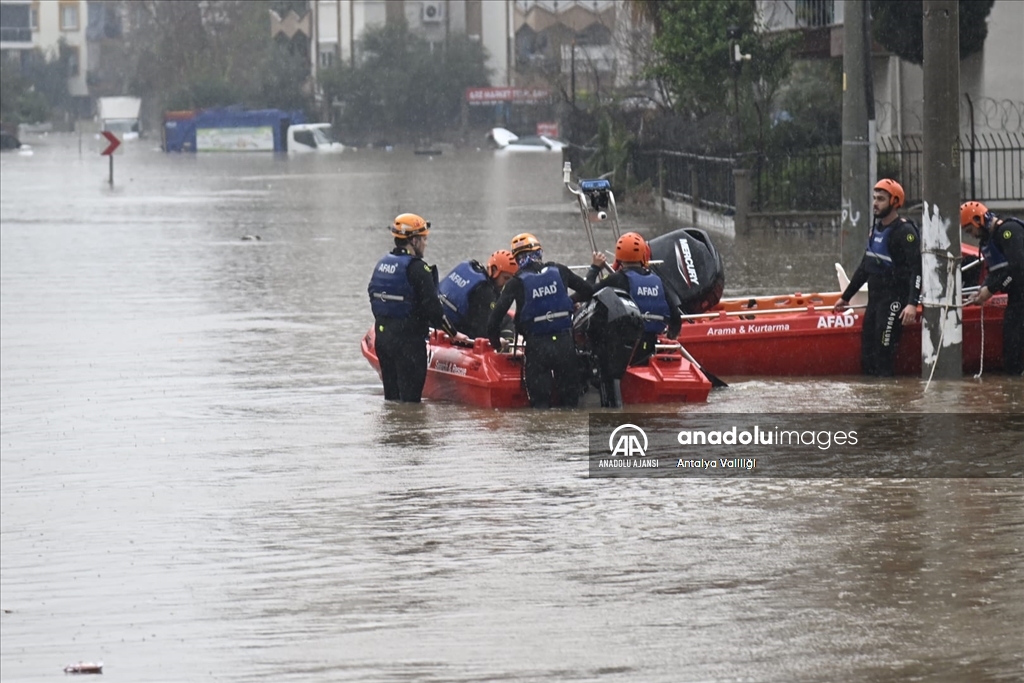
pixel 433 12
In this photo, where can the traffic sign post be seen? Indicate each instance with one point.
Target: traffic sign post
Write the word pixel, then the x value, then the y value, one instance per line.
pixel 109 151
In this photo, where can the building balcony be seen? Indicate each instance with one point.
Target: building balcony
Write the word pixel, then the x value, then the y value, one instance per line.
pixel 15 38
pixel 789 15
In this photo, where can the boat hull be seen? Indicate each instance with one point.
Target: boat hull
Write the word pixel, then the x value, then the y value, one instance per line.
pixel 474 374
pixel 818 342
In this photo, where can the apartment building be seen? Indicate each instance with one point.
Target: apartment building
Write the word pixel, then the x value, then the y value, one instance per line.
pixel 29 24
pixel 992 80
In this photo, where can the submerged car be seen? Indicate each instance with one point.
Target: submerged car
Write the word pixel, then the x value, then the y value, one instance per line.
pixel 507 141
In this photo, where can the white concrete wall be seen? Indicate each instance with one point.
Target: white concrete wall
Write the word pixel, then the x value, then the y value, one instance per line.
pixel 993 77
pixel 497 26
pixel 48 36
pixel 997 73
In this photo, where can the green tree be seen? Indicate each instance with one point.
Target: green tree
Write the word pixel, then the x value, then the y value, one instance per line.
pixel 19 101
pixel 404 85
pixel 695 63
pixel 898 26
pixel 33 88
pixel 813 104
pixel 613 146
pixel 202 53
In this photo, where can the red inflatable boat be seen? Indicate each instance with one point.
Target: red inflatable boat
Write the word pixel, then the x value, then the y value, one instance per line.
pixel 474 374
pixel 797 335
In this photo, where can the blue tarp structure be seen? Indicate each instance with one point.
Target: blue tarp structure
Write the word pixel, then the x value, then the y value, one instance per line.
pixel 180 127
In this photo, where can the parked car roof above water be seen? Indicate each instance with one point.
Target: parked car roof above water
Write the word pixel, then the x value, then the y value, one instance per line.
pixel 506 140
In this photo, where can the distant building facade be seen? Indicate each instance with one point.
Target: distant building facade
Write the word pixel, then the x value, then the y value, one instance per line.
pixel 992 78
pixel 524 39
pixel 26 25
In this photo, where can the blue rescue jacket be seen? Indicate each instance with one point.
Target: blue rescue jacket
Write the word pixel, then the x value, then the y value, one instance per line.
pixel 879 259
pixel 547 307
pixel 648 294
pixel 391 295
pixel 455 289
pixel 995 259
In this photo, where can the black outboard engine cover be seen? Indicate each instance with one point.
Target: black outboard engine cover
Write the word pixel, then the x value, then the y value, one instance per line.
pixel 691 267
pixel 609 325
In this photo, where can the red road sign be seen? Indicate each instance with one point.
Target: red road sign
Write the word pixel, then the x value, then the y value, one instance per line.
pixel 114 143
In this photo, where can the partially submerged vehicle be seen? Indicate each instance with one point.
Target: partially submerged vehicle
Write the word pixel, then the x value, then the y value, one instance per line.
pixel 120 116
pixel 233 129
pixel 312 137
pixel 507 141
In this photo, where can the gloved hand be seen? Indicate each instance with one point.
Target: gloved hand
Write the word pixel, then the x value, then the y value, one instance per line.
pixel 495 343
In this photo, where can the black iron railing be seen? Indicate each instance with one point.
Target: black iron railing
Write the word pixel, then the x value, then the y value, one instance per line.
pixel 991 167
pixel 701 180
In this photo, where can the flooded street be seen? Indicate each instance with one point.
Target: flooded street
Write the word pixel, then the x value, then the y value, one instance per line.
pixel 201 481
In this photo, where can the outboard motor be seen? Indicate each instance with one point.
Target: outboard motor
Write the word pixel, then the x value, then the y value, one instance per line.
pixel 691 267
pixel 608 328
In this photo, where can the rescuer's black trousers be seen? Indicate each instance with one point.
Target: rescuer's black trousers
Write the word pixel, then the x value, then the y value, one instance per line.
pixel 880 335
pixel 1013 331
pixel 403 362
pixel 552 372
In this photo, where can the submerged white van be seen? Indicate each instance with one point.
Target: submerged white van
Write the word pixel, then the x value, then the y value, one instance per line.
pixel 312 137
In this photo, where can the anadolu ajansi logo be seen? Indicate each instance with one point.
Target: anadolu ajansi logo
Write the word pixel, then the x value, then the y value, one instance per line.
pixel 628 443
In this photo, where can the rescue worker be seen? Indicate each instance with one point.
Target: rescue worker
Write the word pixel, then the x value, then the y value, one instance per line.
pixel 659 306
pixel 544 318
pixel 469 291
pixel 892 268
pixel 1001 241
pixel 403 297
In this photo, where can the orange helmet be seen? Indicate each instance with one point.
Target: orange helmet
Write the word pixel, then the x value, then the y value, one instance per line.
pixel 524 242
pixel 973 213
pixel 408 225
pixel 632 248
pixel 894 189
pixel 500 262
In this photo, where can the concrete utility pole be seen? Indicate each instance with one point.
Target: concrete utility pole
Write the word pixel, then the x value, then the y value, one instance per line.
pixel 942 332
pixel 857 183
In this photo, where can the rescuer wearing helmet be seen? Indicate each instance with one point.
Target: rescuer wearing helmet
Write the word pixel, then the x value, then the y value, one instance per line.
pixel 544 318
pixel 892 268
pixel 1001 241
pixel 469 291
pixel 403 297
pixel 659 306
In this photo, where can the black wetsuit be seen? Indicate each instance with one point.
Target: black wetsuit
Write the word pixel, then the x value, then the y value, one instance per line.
pixel 551 367
pixel 1007 238
pixel 401 331
pixel 892 268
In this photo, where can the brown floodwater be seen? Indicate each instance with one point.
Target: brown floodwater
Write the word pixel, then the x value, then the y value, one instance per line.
pixel 201 481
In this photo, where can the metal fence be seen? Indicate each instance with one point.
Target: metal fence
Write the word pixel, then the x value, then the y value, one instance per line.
pixel 808 180
pixel 991 167
pixel 700 180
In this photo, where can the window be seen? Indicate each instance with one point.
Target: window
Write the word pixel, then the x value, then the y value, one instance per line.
pixel 33 16
pixel 305 137
pixel 69 17
pixel 326 59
